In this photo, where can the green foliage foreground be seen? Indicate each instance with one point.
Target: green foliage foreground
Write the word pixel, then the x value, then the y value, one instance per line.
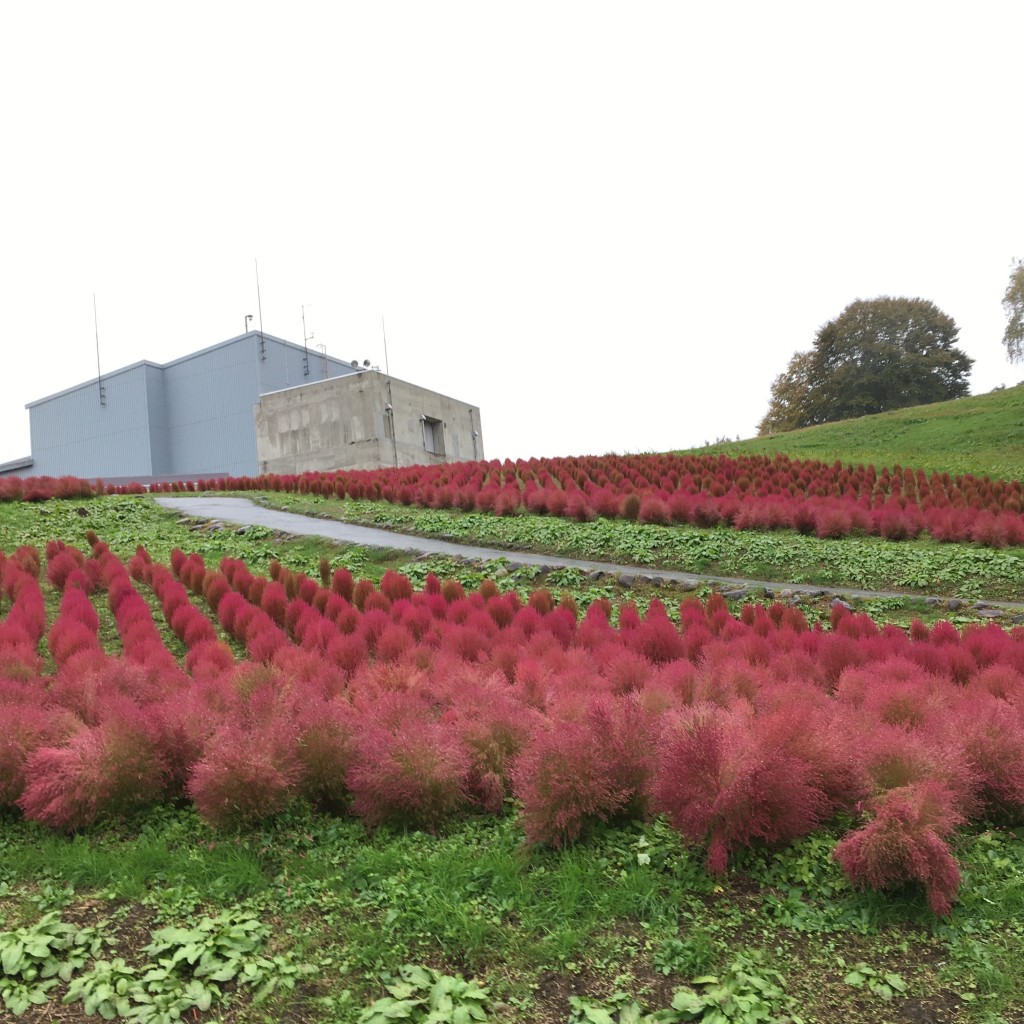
pixel 312 919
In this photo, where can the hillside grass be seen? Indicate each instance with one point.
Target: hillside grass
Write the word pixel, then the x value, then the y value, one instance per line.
pixel 982 434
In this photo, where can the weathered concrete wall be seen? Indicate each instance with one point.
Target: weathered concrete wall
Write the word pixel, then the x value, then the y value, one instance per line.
pixel 363 421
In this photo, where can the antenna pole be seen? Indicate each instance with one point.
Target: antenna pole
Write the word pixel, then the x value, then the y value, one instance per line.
pixel 386 367
pixel 99 375
pixel 263 341
pixel 306 338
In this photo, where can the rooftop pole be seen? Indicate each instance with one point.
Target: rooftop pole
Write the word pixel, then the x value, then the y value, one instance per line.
pixel 263 341
pixel 99 375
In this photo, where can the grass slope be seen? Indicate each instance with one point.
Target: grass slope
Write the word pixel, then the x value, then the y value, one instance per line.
pixel 983 435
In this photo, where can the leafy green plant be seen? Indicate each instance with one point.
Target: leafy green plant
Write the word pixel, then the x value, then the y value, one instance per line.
pixel 618 1008
pixel 106 988
pixel 420 994
pixel 748 992
pixel 884 984
pixel 274 974
pixel 565 578
pixel 691 955
pixel 163 997
pixel 192 962
pixel 36 957
pixel 215 948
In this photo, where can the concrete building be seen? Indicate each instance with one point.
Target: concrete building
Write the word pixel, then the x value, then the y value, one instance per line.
pixel 363 421
pixel 195 417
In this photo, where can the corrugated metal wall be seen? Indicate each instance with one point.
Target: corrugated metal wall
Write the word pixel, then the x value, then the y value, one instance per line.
pixel 73 434
pixel 209 401
pixel 191 417
pixel 159 432
pixel 283 365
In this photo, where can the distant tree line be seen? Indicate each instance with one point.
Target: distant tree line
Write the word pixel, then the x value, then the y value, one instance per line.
pixel 878 354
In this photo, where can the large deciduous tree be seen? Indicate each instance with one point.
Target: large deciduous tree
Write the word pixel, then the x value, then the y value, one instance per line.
pixel 878 354
pixel 1013 303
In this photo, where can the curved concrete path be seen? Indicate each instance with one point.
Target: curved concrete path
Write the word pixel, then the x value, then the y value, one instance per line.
pixel 242 511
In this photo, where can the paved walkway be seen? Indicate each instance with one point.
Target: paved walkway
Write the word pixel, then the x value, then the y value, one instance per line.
pixel 243 512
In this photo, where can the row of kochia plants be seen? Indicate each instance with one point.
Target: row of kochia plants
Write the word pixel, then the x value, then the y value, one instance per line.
pixel 748 492
pixel 413 707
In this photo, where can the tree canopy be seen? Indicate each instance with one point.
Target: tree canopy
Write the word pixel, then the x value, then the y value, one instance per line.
pixel 1013 303
pixel 878 354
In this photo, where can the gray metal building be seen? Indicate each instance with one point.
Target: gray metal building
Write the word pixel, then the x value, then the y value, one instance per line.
pixel 192 417
pixel 249 405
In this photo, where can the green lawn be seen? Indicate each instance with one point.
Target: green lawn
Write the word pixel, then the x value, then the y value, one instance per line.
pixel 983 435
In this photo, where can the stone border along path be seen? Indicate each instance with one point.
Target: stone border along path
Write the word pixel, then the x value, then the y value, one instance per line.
pixel 242 512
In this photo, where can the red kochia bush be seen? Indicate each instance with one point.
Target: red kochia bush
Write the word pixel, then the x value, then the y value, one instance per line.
pixel 585 764
pixel 325 741
pixel 61 564
pixel 106 770
pixel 249 771
pixel 991 734
pixel 395 586
pixel 68 637
pixel 905 842
pixel 721 783
pixel 24 726
pixel 408 767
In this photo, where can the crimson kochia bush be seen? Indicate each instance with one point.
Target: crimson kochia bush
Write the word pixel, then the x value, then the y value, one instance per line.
pixel 722 783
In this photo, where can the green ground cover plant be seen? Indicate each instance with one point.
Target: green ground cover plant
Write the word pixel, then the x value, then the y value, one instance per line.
pixel 916 567
pixel 406 923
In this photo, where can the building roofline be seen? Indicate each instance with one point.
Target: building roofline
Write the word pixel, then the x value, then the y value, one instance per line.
pixel 93 382
pixel 320 380
pixel 359 372
pixel 181 359
pixel 23 463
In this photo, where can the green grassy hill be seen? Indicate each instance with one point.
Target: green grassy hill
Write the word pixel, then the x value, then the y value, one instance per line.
pixel 983 435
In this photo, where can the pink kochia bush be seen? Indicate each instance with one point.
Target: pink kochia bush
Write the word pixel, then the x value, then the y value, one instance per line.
pixel 724 782
pixel 747 492
pixel 905 841
pixel 246 773
pixel 25 622
pixel 410 707
pixel 25 726
pixel 587 763
pixel 408 766
pixel 110 769
pixel 250 766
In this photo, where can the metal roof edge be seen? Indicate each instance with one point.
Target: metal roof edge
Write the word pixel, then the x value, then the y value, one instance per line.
pixel 23 463
pixel 92 382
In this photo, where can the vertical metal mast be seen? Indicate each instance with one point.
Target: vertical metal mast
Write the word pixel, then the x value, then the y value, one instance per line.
pixel 99 375
pixel 306 339
pixel 263 341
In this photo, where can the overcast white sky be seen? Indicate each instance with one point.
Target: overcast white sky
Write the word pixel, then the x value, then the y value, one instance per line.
pixel 608 225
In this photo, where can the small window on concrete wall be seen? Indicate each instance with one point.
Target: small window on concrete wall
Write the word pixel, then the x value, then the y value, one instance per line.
pixel 433 435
